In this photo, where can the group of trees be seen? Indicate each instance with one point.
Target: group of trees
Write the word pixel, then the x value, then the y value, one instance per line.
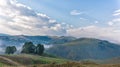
pixel 10 49
pixel 28 48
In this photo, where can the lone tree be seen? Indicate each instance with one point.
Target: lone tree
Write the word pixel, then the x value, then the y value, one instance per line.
pixel 39 49
pixel 28 48
pixel 10 50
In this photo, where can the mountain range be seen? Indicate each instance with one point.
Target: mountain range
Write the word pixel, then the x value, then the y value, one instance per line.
pixel 86 48
pixel 19 40
pixel 14 40
pixel 66 46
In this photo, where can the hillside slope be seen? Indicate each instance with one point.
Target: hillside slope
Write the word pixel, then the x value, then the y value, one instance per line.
pixel 25 59
pixel 86 48
pixel 8 61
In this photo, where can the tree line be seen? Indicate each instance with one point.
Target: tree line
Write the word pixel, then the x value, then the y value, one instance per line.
pixel 27 48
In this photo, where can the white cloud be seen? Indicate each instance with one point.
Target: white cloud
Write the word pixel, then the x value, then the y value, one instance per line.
pixel 52 21
pixel 110 23
pixel 117 13
pixel 84 19
pixel 76 12
pixel 18 19
pixel 96 22
pixel 115 22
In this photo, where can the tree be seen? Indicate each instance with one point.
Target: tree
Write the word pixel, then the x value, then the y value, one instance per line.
pixel 10 50
pixel 39 49
pixel 28 48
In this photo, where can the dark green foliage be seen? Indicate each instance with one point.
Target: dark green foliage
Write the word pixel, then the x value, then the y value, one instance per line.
pixel 49 55
pixel 39 49
pixel 10 50
pixel 28 48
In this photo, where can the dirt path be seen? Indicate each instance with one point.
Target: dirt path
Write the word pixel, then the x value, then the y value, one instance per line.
pixel 10 61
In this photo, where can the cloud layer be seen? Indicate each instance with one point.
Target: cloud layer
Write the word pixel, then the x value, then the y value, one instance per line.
pixel 17 19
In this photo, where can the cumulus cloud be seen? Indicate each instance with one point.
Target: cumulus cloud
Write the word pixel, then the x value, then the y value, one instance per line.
pixel 75 12
pixel 18 19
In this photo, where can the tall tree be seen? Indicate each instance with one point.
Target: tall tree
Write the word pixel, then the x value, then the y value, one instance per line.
pixel 10 50
pixel 39 49
pixel 28 48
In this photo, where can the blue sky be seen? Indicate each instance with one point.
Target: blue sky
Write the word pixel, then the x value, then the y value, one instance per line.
pixel 78 18
pixel 95 10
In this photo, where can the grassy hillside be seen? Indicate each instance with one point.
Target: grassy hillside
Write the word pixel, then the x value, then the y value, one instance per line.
pixel 25 59
pixel 78 64
pixel 86 48
pixel 2 64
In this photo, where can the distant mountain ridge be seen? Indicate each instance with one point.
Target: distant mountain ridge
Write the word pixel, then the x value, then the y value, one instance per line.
pixel 2 34
pixel 37 39
pixel 86 48
pixel 19 40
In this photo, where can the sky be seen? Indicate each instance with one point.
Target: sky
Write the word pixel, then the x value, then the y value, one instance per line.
pixel 95 10
pixel 79 18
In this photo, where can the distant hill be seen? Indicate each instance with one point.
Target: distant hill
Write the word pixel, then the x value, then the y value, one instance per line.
pixel 86 48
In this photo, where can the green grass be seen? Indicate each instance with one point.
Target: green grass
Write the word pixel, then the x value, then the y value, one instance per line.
pixel 2 64
pixel 26 59
pixel 40 61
